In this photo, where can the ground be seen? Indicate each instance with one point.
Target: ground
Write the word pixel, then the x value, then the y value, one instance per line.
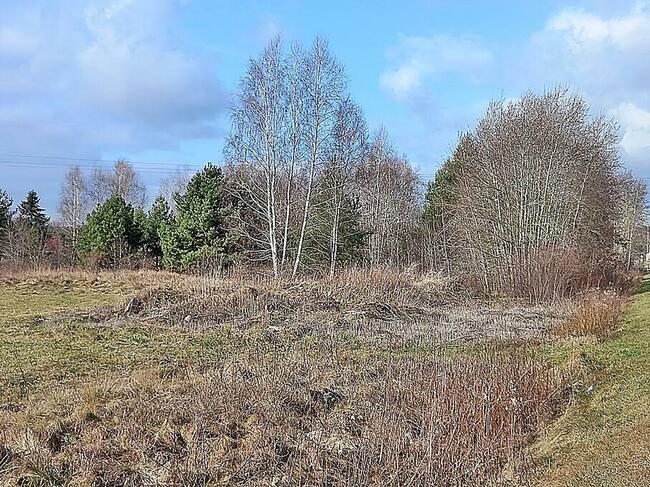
pixel 603 439
pixel 245 383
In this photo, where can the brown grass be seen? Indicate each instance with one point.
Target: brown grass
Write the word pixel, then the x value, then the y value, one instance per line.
pixel 344 381
pixel 596 314
pixel 300 420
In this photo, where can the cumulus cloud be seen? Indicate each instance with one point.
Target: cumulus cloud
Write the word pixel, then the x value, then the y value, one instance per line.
pixel 635 123
pixel 110 75
pixel 584 30
pixel 602 56
pixel 419 59
pixel 606 58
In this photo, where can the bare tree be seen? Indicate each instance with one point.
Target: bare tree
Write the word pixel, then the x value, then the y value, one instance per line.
pixel 282 128
pixel 348 151
pixel 631 224
pixel 175 183
pixel 73 204
pixel 534 202
pixel 390 193
pixel 122 180
pixel 323 85
pixel 254 148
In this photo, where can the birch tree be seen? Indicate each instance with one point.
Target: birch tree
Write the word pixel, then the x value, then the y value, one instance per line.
pixel 349 147
pixel 254 148
pixel 73 204
pixel 122 180
pixel 389 190
pixel 631 224
pixel 281 136
pixel 323 87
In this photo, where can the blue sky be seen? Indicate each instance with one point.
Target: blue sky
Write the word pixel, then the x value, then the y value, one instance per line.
pixel 151 80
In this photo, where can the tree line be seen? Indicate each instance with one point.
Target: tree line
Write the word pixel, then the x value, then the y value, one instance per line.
pixel 532 202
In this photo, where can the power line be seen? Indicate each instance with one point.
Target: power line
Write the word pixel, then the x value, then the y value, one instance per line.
pixel 110 161
pixel 43 165
pixel 149 166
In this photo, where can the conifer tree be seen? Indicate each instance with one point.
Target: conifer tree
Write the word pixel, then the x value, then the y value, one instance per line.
pixel 111 233
pixel 5 219
pixel 31 213
pixel 200 231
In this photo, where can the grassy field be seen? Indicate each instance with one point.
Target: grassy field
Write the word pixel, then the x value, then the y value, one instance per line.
pixel 603 439
pixel 255 383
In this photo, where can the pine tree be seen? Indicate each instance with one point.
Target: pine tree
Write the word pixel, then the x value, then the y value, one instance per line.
pixel 30 212
pixel 153 225
pixel 111 233
pixel 200 232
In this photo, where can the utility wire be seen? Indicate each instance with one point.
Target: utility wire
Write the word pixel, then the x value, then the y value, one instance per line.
pixel 110 161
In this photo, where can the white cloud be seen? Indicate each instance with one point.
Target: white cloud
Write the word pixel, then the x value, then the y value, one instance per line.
pixel 111 74
pixel 582 29
pixel 635 123
pixel 605 57
pixel 419 59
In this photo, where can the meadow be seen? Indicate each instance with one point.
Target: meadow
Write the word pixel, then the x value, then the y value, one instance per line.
pixel 369 378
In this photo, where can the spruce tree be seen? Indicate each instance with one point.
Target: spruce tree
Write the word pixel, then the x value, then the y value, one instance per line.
pixel 5 210
pixel 5 219
pixel 31 214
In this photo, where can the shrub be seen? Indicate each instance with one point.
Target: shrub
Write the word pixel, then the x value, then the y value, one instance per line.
pixel 596 314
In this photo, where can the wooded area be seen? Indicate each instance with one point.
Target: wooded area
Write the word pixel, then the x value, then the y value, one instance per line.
pixel 533 202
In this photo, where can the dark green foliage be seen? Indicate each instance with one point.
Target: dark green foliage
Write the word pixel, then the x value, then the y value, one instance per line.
pixel 5 219
pixel 152 226
pixel 111 233
pixel 199 233
pixel 440 195
pixel 352 237
pixel 5 210
pixel 32 214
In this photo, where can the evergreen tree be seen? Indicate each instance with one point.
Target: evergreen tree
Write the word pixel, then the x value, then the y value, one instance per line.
pixel 111 233
pixel 200 230
pixel 5 219
pixel 351 239
pixel 31 213
pixel 5 210
pixel 153 226
pixel 440 194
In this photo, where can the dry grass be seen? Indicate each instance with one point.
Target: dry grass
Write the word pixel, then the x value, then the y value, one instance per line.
pixel 300 420
pixel 596 314
pixel 373 307
pixel 370 378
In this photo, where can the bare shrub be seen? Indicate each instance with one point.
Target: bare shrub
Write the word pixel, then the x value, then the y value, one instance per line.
pixel 597 314
pixel 273 420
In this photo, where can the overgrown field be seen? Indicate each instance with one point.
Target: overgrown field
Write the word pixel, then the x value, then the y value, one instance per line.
pixel 371 378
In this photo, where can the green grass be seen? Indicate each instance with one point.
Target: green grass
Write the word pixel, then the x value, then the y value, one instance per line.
pixel 39 351
pixel 603 439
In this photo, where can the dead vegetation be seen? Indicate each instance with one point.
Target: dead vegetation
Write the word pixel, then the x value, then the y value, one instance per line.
pixel 371 306
pixel 596 314
pixel 355 380
pixel 300 420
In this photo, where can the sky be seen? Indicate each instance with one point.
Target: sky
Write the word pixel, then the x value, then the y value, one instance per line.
pixel 88 81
